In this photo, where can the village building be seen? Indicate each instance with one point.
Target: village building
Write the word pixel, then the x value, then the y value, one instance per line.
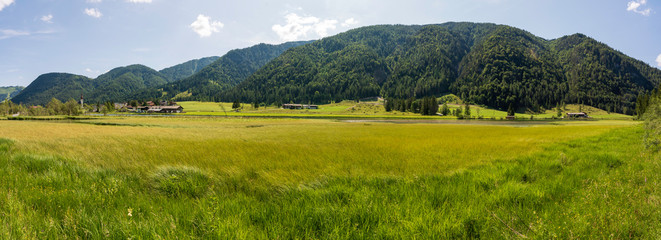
pixel 577 115
pixel 165 109
pixel 299 106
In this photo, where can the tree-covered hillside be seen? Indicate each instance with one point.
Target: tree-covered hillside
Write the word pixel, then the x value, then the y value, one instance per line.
pixel 62 86
pixel 222 74
pixel 494 65
pixel 119 83
pixel 9 92
pixel 511 67
pixel 184 70
pixel 350 65
pixel 601 76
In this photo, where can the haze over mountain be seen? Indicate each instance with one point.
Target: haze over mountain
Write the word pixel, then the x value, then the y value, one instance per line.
pixel 9 92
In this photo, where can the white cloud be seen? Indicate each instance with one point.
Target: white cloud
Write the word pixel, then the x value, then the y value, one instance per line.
pixel 637 7
pixel 48 18
pixel 349 22
pixel 4 3
pixel 139 1
pixel 298 27
pixel 94 1
pixel 204 27
pixel 658 60
pixel 9 33
pixel 93 12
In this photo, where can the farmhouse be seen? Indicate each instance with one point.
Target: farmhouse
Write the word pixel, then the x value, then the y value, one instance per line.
pixel 299 106
pixel 165 109
pixel 577 115
pixel 292 106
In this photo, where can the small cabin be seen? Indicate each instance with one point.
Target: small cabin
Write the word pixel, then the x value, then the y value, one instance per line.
pixel 166 109
pixel 577 115
pixel 292 106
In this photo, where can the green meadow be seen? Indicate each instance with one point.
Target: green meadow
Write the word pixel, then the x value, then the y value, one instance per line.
pixel 375 109
pixel 277 178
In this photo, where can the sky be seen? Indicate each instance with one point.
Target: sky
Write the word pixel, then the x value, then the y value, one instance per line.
pixel 91 37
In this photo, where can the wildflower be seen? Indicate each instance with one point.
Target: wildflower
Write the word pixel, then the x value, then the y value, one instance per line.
pixel 130 212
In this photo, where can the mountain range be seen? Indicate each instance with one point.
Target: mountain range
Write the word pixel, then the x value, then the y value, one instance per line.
pixel 9 92
pixel 489 64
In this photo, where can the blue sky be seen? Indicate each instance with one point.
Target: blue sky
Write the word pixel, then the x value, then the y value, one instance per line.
pixel 90 37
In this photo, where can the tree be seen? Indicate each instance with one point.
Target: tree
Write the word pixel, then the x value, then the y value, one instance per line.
pixel 467 110
pixel 510 111
pixel 388 105
pixel 110 106
pixel 54 107
pixel 255 105
pixel 71 108
pixel 559 109
pixel 105 110
pixel 458 114
pixel 236 104
pixel 433 106
pixel 445 110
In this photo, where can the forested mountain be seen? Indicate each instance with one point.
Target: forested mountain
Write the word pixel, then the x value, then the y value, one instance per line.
pixel 600 76
pixel 62 86
pixel 184 70
pixel 118 83
pixel 112 86
pixel 349 65
pixel 494 65
pixel 222 74
pixel 9 92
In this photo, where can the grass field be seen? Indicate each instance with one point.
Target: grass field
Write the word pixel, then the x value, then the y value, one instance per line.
pixel 351 109
pixel 246 178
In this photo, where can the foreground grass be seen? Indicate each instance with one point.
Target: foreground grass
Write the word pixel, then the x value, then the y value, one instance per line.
pixel 286 151
pixel 596 186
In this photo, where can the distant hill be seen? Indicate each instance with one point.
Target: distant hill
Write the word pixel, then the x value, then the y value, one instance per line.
pixel 9 92
pixel 63 86
pixel 115 85
pixel 494 65
pixel 184 70
pixel 222 74
pixel 118 83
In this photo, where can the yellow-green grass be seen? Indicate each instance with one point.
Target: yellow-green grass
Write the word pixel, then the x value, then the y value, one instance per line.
pixel 287 151
pixel 352 109
pixel 593 112
pixel 568 181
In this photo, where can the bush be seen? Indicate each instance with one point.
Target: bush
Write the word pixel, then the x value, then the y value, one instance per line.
pixel 652 118
pixel 181 181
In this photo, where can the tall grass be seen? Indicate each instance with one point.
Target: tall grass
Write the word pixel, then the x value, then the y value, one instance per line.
pixel 603 186
pixel 288 151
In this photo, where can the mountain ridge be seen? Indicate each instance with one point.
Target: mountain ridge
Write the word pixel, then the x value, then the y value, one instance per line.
pixel 494 65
